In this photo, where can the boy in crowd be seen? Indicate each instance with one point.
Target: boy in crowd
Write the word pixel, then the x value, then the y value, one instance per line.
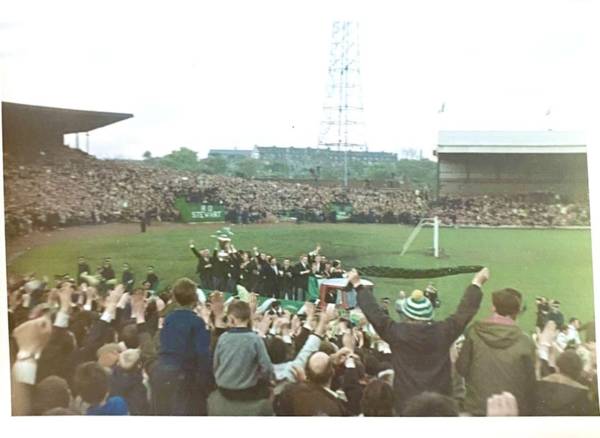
pixel 91 383
pixel 180 378
pixel 242 368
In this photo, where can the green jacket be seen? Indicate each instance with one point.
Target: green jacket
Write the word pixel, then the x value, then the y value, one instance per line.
pixel 497 357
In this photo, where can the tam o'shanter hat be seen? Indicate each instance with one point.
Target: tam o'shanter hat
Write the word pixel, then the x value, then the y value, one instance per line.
pixel 223 233
pixel 417 306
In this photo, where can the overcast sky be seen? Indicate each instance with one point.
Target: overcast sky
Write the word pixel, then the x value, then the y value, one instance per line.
pixel 240 73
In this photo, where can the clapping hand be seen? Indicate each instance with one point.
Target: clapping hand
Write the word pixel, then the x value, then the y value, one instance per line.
pixel 295 325
pixel 502 405
pixel 264 324
pixel 330 313
pixel 299 374
pixel 113 298
pixel 217 304
pixel 32 336
pixel 90 294
pixel 64 296
pixel 309 309
pixel 253 302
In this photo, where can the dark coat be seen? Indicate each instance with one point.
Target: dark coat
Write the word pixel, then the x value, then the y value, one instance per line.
pixel 250 275
pixel 127 279
pixel 219 267
pixel 152 278
pixel 558 395
pixel 270 280
pixel 107 273
pixel 307 399
pixel 497 357
pixel 301 280
pixel 204 267
pixel 81 268
pixel 420 351
pixel 287 279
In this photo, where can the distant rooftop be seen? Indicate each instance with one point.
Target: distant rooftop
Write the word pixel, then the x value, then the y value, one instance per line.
pixel 319 150
pixel 526 142
pixel 236 152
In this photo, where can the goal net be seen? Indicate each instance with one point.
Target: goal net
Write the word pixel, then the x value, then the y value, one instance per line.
pixel 426 222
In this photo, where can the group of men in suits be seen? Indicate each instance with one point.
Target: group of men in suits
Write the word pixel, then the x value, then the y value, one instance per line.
pixel 105 274
pixel 256 271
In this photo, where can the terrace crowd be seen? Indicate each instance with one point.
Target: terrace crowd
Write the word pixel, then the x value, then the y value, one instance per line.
pixel 102 344
pixel 77 189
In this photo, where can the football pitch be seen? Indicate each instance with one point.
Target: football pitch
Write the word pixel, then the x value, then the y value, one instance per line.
pixel 553 263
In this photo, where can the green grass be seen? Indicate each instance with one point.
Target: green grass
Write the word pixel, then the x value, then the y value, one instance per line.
pixel 553 263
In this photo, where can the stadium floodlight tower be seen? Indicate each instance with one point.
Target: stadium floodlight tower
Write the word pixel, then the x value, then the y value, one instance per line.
pixel 343 125
pixel 429 221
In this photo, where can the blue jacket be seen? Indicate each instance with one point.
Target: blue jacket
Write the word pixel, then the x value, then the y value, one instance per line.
pixel 185 343
pixel 113 406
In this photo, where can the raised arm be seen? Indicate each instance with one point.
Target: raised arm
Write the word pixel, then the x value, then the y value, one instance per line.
pixel 312 344
pixel 99 330
pixel 31 338
pixel 385 327
pixel 468 306
pixel 194 250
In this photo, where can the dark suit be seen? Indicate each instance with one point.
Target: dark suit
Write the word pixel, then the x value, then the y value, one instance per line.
pixel 153 279
pixel 233 272
pixel 271 280
pixel 127 280
pixel 287 282
pixel 81 268
pixel 203 269
pixel 219 272
pixel 250 275
pixel 301 281
pixel 107 273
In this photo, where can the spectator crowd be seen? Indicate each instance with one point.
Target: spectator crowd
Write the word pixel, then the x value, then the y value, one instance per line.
pixel 101 345
pixel 78 189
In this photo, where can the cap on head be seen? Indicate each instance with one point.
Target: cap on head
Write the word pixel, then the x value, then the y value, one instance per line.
pixel 417 306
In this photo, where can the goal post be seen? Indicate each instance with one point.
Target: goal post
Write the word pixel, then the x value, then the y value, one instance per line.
pixel 425 222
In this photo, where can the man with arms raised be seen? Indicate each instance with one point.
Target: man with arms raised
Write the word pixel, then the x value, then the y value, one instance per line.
pixel 420 346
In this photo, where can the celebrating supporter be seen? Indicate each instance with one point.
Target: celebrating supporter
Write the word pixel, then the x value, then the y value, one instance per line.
pixel 243 370
pixel 420 346
pixel 182 372
pixel 76 350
